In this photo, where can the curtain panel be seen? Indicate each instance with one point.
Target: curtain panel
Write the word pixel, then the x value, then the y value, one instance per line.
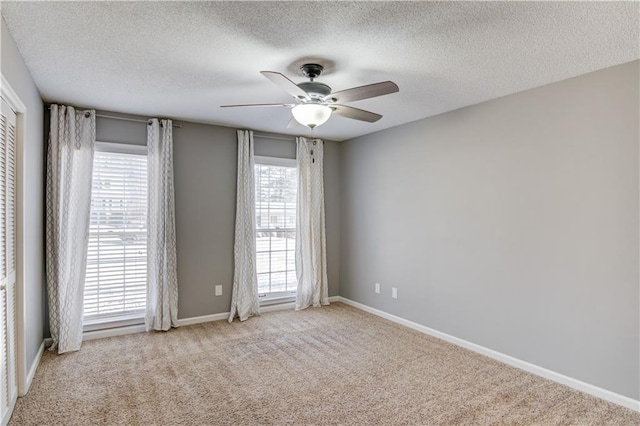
pixel 72 137
pixel 311 257
pixel 244 296
pixel 162 275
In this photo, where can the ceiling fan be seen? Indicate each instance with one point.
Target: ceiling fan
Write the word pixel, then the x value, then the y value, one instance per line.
pixel 315 102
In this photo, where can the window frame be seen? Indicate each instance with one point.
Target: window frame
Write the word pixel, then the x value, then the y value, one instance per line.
pixel 120 148
pixel 275 297
pixel 137 318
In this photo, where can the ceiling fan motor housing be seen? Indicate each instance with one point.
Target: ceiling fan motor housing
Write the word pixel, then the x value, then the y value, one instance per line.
pixel 315 89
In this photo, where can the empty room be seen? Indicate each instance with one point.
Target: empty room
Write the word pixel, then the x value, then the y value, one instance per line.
pixel 319 212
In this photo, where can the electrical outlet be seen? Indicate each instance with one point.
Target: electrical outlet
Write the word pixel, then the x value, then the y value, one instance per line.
pixel 394 293
pixel 377 287
pixel 218 290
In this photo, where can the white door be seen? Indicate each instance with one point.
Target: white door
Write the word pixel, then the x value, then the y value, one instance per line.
pixel 8 349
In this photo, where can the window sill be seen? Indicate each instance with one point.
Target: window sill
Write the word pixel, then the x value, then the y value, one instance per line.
pixel 277 300
pixel 113 322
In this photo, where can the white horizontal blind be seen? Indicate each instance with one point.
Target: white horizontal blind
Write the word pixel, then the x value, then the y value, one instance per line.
pixel 116 281
pixel 275 228
pixel 8 348
pixel 4 136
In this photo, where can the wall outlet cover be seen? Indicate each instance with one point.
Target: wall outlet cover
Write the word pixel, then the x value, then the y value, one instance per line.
pixel 377 287
pixel 394 293
pixel 218 290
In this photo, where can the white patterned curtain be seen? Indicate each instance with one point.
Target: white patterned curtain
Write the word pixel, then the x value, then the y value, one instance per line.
pixel 311 258
pixel 72 138
pixel 244 296
pixel 162 275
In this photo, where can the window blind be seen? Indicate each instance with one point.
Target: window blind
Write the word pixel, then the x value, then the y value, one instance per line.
pixel 4 136
pixel 7 193
pixel 116 279
pixel 8 348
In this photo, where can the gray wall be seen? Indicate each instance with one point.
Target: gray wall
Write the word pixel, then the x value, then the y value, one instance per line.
pixel 31 164
pixel 205 162
pixel 512 224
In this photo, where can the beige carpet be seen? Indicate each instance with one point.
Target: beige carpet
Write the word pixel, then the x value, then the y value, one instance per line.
pixel 333 365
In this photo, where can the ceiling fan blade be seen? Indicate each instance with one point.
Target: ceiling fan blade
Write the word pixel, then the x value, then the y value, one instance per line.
pixel 285 84
pixel 355 113
pixel 258 105
pixel 364 92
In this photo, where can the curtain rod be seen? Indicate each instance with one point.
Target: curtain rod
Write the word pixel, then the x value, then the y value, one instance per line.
pixel 135 120
pixel 179 126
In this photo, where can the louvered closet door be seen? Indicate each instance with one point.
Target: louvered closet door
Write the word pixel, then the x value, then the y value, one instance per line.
pixel 8 349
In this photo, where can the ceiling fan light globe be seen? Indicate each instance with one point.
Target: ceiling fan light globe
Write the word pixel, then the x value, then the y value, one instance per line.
pixel 311 115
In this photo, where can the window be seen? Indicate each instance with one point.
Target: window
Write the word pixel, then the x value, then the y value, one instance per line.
pixel 276 184
pixel 116 278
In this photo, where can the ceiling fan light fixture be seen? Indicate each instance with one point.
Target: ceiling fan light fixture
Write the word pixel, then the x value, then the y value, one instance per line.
pixel 311 115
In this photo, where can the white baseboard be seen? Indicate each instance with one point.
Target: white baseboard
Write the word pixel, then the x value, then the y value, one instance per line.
pixel 120 331
pixel 225 315
pixel 289 305
pixel 263 309
pixel 140 328
pixel 33 368
pixel 111 332
pixel 204 318
pixel 507 359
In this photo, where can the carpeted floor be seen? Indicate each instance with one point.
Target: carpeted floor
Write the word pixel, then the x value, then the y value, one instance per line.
pixel 334 365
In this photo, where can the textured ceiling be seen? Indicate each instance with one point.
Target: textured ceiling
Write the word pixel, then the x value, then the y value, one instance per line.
pixel 185 59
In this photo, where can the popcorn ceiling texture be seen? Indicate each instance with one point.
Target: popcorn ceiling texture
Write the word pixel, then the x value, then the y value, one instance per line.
pixel 185 59
pixel 329 365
